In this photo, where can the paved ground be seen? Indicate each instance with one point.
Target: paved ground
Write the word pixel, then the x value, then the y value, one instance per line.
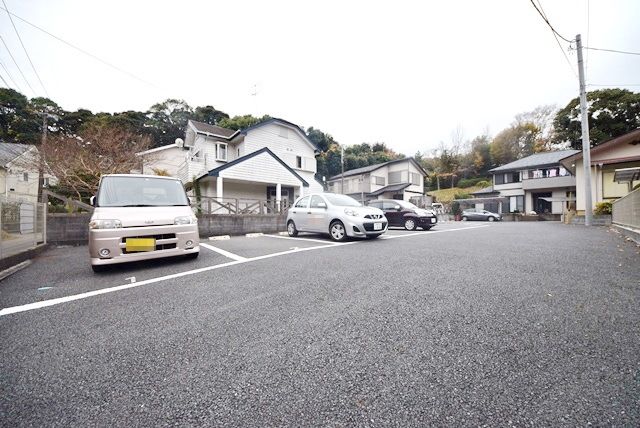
pixel 523 324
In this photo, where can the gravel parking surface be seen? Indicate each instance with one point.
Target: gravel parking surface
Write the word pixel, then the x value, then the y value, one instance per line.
pixel 524 324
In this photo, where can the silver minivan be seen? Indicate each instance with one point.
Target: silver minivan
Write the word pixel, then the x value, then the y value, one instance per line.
pixel 141 217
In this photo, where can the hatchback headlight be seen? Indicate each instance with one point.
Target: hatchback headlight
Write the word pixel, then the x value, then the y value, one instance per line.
pixel 349 211
pixel 105 224
pixel 185 219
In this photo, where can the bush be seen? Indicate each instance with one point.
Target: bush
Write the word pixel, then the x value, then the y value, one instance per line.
pixel 483 183
pixel 468 182
pixel 455 208
pixel 461 196
pixel 603 208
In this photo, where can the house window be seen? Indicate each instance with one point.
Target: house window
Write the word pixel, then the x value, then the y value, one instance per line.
pixel 512 177
pixel 379 181
pixel 283 132
pixel 25 176
pixel 299 162
pixel 238 152
pixel 516 204
pixel 221 152
pixel 416 178
pixel 499 178
pixel 395 177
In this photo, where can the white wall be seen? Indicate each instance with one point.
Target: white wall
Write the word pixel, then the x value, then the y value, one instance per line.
pixel 167 159
pixel 286 148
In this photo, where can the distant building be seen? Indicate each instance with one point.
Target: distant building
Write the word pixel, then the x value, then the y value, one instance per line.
pixel 397 179
pixel 19 172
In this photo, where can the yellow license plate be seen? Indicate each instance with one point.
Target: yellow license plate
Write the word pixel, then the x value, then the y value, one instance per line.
pixel 140 244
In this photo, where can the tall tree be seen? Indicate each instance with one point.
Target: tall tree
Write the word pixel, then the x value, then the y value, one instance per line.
pixel 168 120
pixel 612 112
pixel 209 114
pixel 18 124
pixel 322 140
pixel 241 122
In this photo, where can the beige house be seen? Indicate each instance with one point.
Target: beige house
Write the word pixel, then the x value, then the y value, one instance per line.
pixel 611 163
pixel 398 179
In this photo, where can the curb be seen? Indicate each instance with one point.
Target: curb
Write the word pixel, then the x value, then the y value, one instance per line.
pixel 219 238
pixel 253 235
pixel 13 269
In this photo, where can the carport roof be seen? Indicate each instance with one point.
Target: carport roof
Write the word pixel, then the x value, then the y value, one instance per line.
pixel 626 175
pixel 390 188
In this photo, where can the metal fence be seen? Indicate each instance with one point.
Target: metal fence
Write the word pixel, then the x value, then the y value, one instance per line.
pixel 23 225
pixel 626 210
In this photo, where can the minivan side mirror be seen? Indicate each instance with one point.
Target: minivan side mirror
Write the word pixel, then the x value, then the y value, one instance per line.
pixel 322 205
pixel 92 201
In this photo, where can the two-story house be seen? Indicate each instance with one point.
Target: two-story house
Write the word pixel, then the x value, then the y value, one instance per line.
pixel 397 179
pixel 19 171
pixel 273 160
pixel 537 183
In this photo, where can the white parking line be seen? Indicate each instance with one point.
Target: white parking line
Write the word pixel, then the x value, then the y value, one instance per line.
pixel 431 232
pixel 223 252
pixel 302 239
pixel 237 261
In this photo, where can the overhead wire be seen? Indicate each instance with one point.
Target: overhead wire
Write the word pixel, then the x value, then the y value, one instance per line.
pixel 25 49
pixel 4 81
pixel 89 54
pixel 555 35
pixel 611 50
pixel 17 66
pixel 549 24
pixel 10 77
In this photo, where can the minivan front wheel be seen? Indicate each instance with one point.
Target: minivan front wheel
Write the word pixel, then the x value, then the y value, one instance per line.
pixel 337 231
pixel 291 228
pixel 410 224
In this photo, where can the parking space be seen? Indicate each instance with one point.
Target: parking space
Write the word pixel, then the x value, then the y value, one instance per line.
pixel 65 271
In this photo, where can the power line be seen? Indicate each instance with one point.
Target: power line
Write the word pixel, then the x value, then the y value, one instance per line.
pixel 4 81
pixel 16 64
pixel 80 49
pixel 612 50
pixel 548 23
pixel 25 49
pixel 544 15
pixel 10 77
pixel 631 84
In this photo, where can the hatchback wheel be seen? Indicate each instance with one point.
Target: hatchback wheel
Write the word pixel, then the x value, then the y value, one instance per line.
pixel 492 218
pixel 464 219
pixel 410 224
pixel 291 228
pixel 337 231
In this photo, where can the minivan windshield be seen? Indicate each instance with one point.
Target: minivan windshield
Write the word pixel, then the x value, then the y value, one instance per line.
pixel 342 200
pixel 122 191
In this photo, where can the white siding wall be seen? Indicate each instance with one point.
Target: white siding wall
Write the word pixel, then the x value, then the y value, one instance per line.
pixel 168 159
pixel 285 148
pixel 262 168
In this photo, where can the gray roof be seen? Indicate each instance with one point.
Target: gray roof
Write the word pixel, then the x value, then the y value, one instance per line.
pixel 536 161
pixel 212 129
pixel 370 168
pixel 390 188
pixel 10 151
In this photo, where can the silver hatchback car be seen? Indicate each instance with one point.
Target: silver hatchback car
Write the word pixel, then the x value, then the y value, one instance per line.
pixel 338 215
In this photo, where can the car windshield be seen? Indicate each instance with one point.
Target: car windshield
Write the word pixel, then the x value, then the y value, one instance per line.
pixel 407 205
pixel 342 200
pixel 121 191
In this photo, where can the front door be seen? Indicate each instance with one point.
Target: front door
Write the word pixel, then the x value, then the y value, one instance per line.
pixel 541 206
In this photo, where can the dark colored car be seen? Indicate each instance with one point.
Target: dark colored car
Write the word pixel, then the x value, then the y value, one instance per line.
pixel 482 215
pixel 405 214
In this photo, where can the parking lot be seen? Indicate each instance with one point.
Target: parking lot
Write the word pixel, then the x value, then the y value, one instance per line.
pixel 466 324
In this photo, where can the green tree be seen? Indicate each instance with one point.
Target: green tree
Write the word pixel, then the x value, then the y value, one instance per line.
pixel 322 140
pixel 209 114
pixel 18 124
pixel 612 112
pixel 242 122
pixel 168 120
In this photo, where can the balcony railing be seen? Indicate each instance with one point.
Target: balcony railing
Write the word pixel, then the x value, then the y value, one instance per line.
pixel 549 182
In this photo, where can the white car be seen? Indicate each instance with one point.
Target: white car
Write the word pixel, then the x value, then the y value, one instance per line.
pixel 338 215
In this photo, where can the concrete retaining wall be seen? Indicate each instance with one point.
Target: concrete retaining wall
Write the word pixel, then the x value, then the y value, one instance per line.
pixel 68 229
pixel 73 229
pixel 229 224
pixel 597 220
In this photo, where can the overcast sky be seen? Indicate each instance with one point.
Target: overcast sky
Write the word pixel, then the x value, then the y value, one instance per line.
pixel 407 73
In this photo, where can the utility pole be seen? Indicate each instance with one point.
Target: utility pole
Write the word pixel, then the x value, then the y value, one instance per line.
pixel 342 163
pixel 586 147
pixel 41 156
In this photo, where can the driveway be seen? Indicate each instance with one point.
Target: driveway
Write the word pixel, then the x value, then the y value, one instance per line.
pixel 466 324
